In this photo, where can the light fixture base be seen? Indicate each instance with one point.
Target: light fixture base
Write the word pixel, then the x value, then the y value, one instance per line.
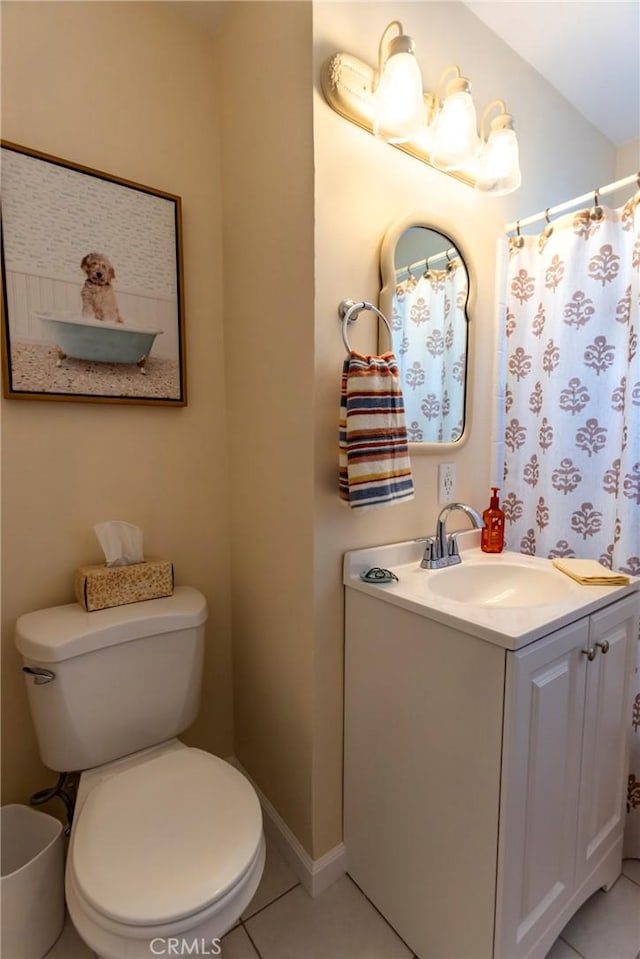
pixel 401 44
pixel 504 121
pixel 348 84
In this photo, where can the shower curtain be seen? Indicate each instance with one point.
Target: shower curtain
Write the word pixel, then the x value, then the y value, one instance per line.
pixel 572 425
pixel 429 326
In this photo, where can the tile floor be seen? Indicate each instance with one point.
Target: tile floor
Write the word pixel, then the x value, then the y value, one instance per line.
pixel 283 922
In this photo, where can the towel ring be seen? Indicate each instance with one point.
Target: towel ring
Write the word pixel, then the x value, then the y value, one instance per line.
pixel 349 311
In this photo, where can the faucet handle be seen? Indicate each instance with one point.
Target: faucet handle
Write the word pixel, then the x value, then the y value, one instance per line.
pixel 430 551
pixel 452 546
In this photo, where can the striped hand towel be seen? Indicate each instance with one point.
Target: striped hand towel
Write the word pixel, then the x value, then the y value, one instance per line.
pixel 374 457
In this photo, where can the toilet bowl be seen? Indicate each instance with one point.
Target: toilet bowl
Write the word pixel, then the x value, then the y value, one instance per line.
pixel 166 852
pixel 166 847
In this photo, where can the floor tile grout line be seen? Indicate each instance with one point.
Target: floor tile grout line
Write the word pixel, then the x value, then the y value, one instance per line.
pixel 243 922
pixel 259 954
pixel 571 946
pixel 382 916
pixel 270 903
pixel 623 875
pixel 631 879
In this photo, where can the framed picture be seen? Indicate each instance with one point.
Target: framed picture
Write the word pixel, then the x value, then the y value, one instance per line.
pixel 92 302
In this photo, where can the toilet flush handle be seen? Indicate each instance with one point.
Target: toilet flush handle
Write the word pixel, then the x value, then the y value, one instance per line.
pixel 41 676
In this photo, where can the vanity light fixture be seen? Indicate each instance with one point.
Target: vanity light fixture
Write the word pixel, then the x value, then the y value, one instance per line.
pixel 442 134
pixel 398 101
pixel 455 138
pixel 498 170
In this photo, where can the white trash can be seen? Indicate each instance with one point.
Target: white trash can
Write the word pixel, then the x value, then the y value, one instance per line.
pixel 31 882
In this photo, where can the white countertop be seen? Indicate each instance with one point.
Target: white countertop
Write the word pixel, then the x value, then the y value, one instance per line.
pixel 511 627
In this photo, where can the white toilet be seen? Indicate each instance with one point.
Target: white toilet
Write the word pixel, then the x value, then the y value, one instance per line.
pixel 167 847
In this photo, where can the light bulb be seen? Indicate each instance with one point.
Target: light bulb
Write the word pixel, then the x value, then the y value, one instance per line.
pixel 398 101
pixel 499 167
pixel 455 136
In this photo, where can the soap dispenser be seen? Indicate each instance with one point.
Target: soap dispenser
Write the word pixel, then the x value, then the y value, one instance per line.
pixel 492 535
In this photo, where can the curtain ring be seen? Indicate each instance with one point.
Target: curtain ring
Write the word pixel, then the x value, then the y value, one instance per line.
pixel 597 213
pixel 518 241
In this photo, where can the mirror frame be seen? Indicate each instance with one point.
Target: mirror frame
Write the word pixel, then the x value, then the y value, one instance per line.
pixel 424 218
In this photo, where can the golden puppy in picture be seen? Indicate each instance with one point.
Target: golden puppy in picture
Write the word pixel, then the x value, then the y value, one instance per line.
pixel 98 298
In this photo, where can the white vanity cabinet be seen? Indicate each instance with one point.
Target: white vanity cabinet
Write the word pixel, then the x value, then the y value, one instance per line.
pixel 484 786
pixel 563 775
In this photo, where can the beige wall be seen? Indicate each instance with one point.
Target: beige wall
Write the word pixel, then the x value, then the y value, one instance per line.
pixel 283 420
pixel 628 159
pixel 307 198
pixel 362 185
pixel 129 89
pixel 266 79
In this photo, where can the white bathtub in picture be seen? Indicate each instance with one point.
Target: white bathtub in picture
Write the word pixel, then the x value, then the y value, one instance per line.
pixel 87 339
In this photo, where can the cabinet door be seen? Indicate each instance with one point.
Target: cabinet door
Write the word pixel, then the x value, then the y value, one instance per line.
pixel 605 745
pixel 541 767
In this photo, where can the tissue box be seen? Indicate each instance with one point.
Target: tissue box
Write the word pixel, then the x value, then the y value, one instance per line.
pixel 99 587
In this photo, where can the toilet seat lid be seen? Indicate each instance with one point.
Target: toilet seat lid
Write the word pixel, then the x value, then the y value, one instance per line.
pixel 165 838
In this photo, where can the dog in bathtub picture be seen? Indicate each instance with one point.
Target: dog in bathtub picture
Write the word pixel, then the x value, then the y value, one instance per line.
pixel 98 297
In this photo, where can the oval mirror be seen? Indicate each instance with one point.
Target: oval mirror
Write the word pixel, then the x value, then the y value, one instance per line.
pixel 425 296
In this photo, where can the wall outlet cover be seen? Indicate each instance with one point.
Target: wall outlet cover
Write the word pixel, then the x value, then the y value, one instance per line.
pixel 446 482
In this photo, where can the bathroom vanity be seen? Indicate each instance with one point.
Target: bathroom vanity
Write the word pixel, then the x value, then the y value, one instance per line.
pixel 486 746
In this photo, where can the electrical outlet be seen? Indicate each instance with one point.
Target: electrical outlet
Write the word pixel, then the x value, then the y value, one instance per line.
pixel 446 482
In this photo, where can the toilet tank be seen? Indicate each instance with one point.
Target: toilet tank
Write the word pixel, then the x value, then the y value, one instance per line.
pixel 123 678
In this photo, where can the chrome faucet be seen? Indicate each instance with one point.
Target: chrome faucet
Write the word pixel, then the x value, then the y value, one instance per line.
pixel 442 550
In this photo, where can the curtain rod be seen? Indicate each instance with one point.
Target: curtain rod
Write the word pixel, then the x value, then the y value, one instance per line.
pixel 450 254
pixel 586 197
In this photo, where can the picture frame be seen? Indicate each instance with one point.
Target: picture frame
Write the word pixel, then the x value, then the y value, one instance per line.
pixel 92 285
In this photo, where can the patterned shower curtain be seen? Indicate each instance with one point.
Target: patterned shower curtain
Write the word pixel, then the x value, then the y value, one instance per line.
pixel 429 326
pixel 572 425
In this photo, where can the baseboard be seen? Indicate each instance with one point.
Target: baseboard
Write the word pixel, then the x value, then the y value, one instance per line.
pixel 315 875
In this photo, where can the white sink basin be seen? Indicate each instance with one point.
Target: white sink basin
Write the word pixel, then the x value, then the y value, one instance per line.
pixel 509 599
pixel 501 584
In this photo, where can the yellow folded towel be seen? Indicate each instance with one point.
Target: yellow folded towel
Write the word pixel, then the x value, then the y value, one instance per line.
pixel 589 572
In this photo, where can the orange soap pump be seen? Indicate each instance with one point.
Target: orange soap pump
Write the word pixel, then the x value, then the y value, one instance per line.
pixel 492 535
